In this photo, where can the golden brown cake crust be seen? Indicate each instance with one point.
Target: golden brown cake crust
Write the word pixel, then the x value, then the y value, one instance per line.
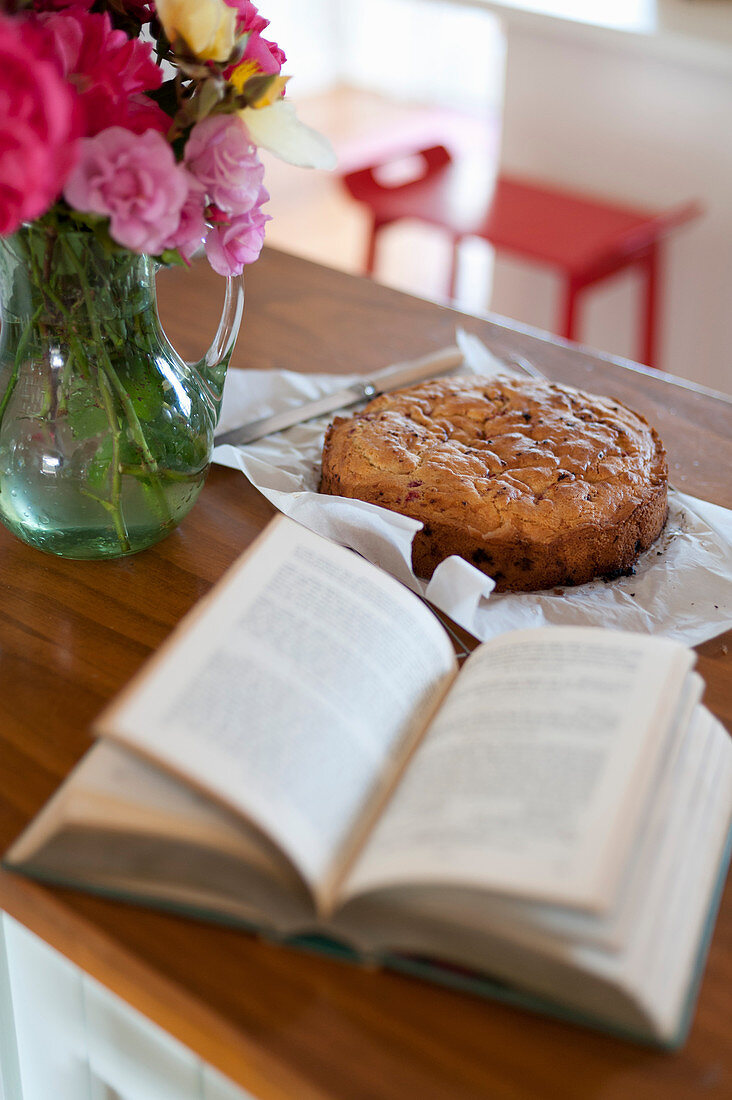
pixel 535 483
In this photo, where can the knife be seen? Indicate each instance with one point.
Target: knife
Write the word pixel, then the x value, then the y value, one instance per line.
pixel 403 374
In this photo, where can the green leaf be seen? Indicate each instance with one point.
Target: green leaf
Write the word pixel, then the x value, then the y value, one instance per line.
pixel 85 219
pixel 162 49
pixel 99 226
pixel 171 257
pixel 210 93
pixel 178 144
pixel 255 88
pixel 239 48
pixel 143 386
pixel 166 97
pixel 86 413
pixel 99 467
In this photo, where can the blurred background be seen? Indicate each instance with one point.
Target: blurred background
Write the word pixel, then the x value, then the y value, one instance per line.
pixel 626 100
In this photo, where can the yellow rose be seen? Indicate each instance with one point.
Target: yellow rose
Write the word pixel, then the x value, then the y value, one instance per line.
pixel 208 27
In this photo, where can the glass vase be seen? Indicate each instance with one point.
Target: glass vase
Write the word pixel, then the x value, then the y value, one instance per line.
pixel 105 432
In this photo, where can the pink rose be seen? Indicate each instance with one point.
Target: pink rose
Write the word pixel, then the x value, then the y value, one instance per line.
pixel 39 127
pixel 134 180
pixel 221 157
pixel 191 228
pixel 229 247
pixel 109 70
pixel 268 55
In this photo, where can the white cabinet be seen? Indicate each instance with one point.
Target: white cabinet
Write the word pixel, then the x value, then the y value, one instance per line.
pixel 47 1000
pixel 63 1036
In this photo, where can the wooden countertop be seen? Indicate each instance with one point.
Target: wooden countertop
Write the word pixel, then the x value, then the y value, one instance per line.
pixel 282 1023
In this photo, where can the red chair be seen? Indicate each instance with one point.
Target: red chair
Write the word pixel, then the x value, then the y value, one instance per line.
pixel 586 239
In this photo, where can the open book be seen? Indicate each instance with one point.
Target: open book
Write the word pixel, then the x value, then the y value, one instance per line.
pixel 305 756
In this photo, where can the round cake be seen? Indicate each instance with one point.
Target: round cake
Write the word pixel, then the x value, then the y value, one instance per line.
pixel 537 484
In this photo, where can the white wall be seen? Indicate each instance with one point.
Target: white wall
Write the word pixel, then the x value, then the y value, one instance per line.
pixel 309 33
pixel 409 50
pixel 644 129
pixel 425 52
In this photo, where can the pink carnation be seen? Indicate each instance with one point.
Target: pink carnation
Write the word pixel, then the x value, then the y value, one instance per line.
pixel 230 247
pixel 267 55
pixel 221 157
pixel 109 70
pixel 39 127
pixel 134 180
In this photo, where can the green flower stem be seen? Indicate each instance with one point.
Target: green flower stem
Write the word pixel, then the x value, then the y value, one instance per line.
pixel 76 349
pixel 113 506
pixel 134 423
pixel 135 426
pixel 141 472
pixel 153 477
pixel 63 390
pixel 40 282
pixel 116 488
pixel 19 356
pixel 50 245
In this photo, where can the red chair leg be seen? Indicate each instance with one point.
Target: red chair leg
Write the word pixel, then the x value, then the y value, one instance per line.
pixel 568 324
pixel 649 332
pixel 370 261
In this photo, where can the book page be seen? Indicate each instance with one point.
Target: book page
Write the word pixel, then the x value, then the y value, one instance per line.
pixel 532 778
pixel 112 789
pixel 294 693
pixel 642 983
pixel 126 827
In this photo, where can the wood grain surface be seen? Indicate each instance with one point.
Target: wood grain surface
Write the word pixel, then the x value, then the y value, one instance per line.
pixel 282 1023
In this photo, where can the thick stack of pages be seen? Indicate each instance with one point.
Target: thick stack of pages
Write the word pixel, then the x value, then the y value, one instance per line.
pixel 305 757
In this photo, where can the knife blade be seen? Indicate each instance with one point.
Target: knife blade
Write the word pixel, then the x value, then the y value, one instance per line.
pixel 393 378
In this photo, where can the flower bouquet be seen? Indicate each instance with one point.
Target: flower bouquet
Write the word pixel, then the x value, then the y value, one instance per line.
pixel 129 138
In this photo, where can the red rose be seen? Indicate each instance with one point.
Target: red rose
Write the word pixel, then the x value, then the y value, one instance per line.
pixel 39 127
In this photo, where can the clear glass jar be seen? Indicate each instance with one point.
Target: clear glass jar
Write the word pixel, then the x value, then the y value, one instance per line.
pixel 105 432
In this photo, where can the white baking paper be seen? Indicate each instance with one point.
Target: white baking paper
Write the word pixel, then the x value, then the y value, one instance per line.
pixel 682 587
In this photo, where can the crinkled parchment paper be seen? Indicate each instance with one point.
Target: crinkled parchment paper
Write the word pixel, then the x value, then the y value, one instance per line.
pixel 682 586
